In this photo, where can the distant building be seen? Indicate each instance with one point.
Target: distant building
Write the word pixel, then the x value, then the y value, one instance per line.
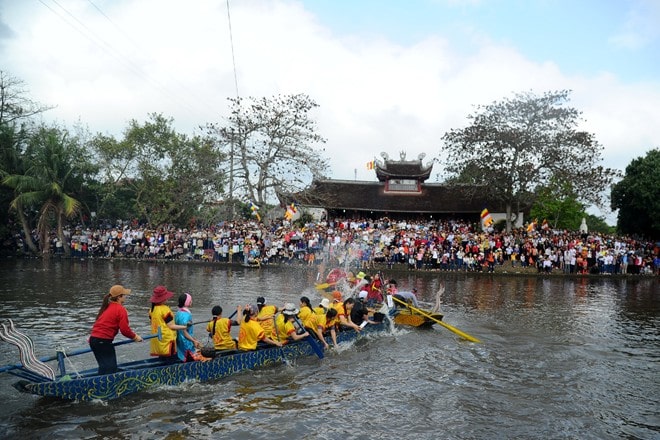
pixel 401 192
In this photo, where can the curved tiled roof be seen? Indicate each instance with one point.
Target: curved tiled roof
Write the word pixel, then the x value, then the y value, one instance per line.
pixel 403 169
pixel 372 196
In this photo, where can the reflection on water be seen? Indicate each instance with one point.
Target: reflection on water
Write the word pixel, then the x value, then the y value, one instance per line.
pixel 560 358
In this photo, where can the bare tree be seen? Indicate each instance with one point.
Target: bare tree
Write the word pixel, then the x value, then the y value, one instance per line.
pixel 14 101
pixel 270 145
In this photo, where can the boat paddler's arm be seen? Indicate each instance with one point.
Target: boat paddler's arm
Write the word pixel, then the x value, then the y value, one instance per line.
pixel 172 326
pixel 271 342
pixel 189 337
pixel 348 323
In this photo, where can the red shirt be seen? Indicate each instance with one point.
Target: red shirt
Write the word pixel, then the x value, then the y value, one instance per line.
pixel 113 320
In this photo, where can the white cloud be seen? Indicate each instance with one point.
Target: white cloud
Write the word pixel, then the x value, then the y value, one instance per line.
pixel 374 94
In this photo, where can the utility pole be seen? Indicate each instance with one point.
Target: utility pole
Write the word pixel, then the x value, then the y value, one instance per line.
pixel 231 176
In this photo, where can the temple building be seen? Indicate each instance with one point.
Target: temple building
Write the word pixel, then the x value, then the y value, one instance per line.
pixel 400 192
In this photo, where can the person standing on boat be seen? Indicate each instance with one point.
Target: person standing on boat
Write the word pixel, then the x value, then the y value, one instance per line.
pixel 111 319
pixel 250 332
pixel 186 344
pixel 266 316
pixel 162 318
pixel 220 330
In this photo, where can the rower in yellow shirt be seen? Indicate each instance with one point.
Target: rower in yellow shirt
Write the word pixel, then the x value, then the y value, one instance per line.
pixel 310 320
pixel 220 330
pixel 265 317
pixel 290 313
pixel 250 332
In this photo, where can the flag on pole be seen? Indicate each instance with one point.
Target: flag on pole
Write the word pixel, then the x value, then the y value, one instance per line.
pixel 532 225
pixel 255 210
pixel 371 165
pixel 486 219
pixel 290 211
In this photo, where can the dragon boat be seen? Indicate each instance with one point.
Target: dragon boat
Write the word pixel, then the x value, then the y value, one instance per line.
pixel 37 377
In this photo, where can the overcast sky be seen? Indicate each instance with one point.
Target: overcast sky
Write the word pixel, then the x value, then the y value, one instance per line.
pixel 389 76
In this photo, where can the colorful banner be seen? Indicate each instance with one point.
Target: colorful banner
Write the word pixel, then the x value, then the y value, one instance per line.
pixel 486 219
pixel 255 210
pixel 532 225
pixel 290 211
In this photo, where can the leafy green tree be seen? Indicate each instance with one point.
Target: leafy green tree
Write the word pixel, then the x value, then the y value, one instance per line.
pixel 559 206
pixel 168 176
pixel 598 224
pixel 270 143
pixel 514 146
pixel 16 113
pixel 56 167
pixel 637 197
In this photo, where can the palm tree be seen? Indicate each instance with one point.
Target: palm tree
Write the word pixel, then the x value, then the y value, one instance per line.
pixel 12 144
pixel 50 178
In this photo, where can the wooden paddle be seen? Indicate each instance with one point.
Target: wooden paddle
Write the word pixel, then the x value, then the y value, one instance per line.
pixel 444 324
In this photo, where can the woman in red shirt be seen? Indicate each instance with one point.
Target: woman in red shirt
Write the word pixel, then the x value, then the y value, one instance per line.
pixel 111 319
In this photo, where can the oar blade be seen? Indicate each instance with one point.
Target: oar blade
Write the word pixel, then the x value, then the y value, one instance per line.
pixel 315 346
pixel 444 324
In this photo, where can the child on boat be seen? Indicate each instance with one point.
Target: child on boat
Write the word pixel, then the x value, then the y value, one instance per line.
pixel 186 344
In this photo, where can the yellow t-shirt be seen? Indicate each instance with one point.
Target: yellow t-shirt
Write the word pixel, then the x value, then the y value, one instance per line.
pixel 265 319
pixel 222 337
pixel 320 317
pixel 167 345
pixel 249 333
pixel 281 328
pixel 308 317
pixel 289 328
pixel 339 307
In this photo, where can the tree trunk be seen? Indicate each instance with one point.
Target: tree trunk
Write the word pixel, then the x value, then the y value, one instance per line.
pixel 60 235
pixel 508 217
pixel 27 231
pixel 45 244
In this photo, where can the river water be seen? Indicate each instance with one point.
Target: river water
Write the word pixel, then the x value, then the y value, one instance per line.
pixel 560 358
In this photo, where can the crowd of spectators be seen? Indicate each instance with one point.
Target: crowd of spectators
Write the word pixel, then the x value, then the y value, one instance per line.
pixel 449 245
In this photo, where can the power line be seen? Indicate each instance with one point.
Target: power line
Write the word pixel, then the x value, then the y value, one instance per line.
pixel 231 41
pixel 109 49
pixel 140 49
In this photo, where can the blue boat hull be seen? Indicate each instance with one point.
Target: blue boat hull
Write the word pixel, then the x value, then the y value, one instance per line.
pixel 139 376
